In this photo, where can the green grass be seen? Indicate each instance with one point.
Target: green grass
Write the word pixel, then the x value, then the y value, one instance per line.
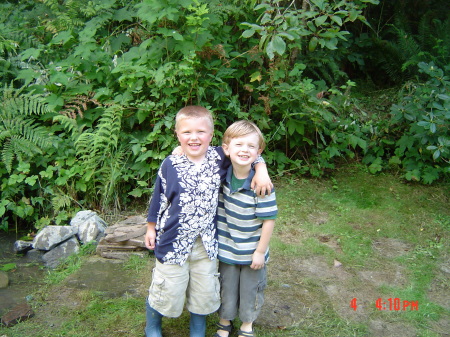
pixel 352 210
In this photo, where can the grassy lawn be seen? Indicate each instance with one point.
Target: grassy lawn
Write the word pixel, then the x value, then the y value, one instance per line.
pixel 341 247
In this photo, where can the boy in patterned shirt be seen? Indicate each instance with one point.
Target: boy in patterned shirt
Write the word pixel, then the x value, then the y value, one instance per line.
pixel 181 226
pixel 245 225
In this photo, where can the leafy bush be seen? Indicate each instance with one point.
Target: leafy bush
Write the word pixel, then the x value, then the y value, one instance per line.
pixel 112 75
pixel 422 117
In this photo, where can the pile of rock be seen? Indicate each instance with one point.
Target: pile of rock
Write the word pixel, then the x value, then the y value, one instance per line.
pixel 53 244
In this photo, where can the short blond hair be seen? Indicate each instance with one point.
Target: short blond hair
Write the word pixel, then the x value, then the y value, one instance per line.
pixel 243 128
pixel 194 111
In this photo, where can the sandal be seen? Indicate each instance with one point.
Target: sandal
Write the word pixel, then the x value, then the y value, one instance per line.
pixel 246 333
pixel 226 328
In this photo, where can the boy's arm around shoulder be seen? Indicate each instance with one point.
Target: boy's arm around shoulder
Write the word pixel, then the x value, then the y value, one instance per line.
pixel 261 183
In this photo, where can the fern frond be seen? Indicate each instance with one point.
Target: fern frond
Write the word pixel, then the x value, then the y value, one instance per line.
pixel 61 201
pixel 24 147
pixel 69 124
pixel 103 155
pixel 8 154
pixel 20 134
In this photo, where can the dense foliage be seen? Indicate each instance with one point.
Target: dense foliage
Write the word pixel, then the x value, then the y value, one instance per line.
pixel 91 88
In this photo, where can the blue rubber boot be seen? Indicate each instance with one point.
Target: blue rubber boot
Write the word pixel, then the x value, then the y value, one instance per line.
pixel 197 325
pixel 153 326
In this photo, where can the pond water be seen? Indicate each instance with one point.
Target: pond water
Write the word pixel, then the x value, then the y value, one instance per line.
pixel 23 279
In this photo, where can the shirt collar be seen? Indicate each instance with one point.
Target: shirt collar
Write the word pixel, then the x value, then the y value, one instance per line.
pixel 211 155
pixel 247 182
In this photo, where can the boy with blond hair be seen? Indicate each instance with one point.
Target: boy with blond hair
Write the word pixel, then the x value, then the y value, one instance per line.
pixel 245 226
pixel 181 227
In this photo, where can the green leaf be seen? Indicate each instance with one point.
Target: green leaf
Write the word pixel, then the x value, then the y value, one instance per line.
pixel 30 54
pixel 320 20
pixel 294 125
pixel 256 76
pixel 333 151
pixel 353 15
pixel 137 192
pixel 424 124
pixel 395 160
pixel 430 174
pixel 432 127
pixel 413 175
pixel 270 50
pixel 376 166
pixel 28 75
pixel 54 101
pixel 331 44
pixel 123 14
pixel 336 19
pixel 319 3
pixel 62 37
pixel 3 204
pixel 436 154
pixel 248 33
pixel 31 180
pixel 313 44
pixel 279 45
pixel 81 185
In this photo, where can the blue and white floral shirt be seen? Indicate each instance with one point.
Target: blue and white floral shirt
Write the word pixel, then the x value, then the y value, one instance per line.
pixel 184 205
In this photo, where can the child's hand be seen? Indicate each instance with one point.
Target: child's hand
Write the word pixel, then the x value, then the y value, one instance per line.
pixel 177 151
pixel 261 183
pixel 150 237
pixel 258 260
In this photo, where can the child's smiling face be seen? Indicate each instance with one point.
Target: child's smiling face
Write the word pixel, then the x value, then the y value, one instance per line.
pixel 194 135
pixel 243 150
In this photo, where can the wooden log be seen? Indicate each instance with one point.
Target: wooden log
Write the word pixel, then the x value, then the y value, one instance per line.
pixel 121 255
pixel 122 235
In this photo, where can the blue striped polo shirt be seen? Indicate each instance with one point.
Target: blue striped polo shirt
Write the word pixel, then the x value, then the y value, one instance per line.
pixel 240 218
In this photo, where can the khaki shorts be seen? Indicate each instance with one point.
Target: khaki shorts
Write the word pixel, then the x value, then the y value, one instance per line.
pixel 196 283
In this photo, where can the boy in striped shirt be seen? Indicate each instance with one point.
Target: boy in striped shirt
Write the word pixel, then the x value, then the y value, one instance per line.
pixel 245 225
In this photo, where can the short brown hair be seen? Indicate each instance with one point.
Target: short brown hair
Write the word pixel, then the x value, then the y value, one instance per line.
pixel 243 128
pixel 194 111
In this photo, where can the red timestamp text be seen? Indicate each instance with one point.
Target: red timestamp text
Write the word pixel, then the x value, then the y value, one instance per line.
pixel 391 304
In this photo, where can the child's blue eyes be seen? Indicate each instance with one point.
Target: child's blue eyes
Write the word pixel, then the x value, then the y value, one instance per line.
pixel 250 146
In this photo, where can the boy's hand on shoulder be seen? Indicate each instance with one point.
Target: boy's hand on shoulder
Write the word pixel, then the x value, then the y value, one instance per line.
pixel 262 186
pixel 262 191
pixel 178 151
pixel 261 183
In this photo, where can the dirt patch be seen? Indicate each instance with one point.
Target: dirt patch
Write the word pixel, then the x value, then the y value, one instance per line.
pixel 105 277
pixel 299 290
pixel 391 248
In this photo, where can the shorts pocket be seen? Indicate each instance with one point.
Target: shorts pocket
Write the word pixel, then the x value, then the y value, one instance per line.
pixel 260 293
pixel 217 283
pixel 157 287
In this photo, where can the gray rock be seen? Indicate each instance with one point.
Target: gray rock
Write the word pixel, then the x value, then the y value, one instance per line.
pixel 89 226
pixel 50 236
pixel 82 216
pixel 55 256
pixel 4 279
pixel 35 255
pixel 21 246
